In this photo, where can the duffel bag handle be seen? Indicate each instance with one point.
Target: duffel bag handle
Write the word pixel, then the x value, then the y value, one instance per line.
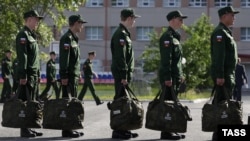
pixel 130 92
pixel 214 93
pixel 122 87
pixel 26 92
pixel 163 92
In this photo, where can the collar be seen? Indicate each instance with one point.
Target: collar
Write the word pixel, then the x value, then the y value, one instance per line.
pixel 31 32
pixel 123 27
pixel 174 33
pixel 225 27
pixel 73 35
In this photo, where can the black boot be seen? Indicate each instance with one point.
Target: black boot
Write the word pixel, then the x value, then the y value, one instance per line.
pixel 99 103
pixel 25 132
pixel 118 134
pixel 36 133
pixel 71 134
pixel 97 100
pixel 181 135
pixel 170 136
pixel 133 135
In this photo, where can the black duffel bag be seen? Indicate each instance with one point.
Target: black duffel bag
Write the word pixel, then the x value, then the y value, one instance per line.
pixel 63 114
pixel 227 112
pixel 126 113
pixel 22 114
pixel 167 115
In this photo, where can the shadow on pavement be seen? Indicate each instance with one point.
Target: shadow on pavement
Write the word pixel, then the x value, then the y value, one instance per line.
pixel 35 138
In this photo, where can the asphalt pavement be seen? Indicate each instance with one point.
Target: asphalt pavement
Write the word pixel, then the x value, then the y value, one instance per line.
pixel 96 124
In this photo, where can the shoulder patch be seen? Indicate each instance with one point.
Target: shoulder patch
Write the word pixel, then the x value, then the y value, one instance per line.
pixel 122 42
pixel 66 46
pixel 23 41
pixel 218 38
pixel 166 43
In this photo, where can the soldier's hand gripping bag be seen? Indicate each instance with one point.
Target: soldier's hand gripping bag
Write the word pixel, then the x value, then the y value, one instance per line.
pixel 168 116
pixel 22 114
pixel 63 114
pixel 227 112
pixel 126 113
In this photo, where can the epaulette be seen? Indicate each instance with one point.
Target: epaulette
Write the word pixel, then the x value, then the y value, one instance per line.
pixel 70 36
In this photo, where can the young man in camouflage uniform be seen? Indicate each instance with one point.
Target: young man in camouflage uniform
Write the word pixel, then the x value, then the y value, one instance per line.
pixel 223 54
pixel 88 75
pixel 69 62
pixel 28 59
pixel 170 73
pixel 51 77
pixel 122 66
pixel 6 74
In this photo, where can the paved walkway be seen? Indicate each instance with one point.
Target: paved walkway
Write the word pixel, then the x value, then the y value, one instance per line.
pixel 96 124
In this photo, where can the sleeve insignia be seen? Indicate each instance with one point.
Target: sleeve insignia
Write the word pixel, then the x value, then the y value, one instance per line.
pixel 218 38
pixel 66 46
pixel 22 40
pixel 166 43
pixel 122 42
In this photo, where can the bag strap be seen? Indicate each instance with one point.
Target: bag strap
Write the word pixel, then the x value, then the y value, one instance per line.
pixel 172 92
pixel 69 91
pixel 174 96
pixel 158 94
pixel 122 87
pixel 214 93
pixel 130 92
pixel 19 91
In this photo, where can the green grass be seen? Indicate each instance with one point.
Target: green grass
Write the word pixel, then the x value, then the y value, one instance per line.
pixel 106 92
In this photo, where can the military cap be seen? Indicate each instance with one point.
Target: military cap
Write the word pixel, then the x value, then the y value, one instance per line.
pixel 129 12
pixel 76 18
pixel 52 53
pixel 32 13
pixel 8 51
pixel 225 10
pixel 174 14
pixel 91 53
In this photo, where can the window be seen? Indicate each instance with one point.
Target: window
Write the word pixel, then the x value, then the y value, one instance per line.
pixel 245 34
pixel 112 30
pixel 120 3
pixel 245 3
pixel 142 33
pixel 171 3
pixel 222 3
pixel 94 3
pixel 197 3
pixel 145 3
pixel 94 33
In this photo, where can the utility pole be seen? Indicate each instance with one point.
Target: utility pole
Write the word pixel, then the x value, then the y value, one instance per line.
pixel 106 35
pixel 208 8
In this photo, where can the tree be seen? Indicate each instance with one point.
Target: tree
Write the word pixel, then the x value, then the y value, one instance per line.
pixel 196 51
pixel 11 15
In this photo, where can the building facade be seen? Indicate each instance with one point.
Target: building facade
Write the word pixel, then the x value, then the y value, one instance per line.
pixel 103 17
